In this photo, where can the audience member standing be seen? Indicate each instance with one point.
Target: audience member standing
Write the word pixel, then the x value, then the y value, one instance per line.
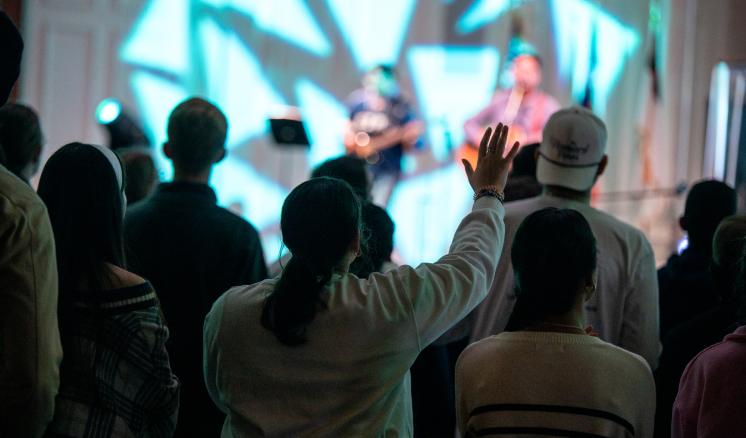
pixel 192 250
pixel 684 282
pixel 141 175
pixel 320 352
pixel 21 139
pixel 711 401
pixel 624 311
pixel 30 351
pixel 686 340
pixel 547 376
pixel 522 182
pixel 115 377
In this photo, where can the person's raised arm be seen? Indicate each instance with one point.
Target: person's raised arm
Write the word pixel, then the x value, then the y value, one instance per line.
pixel 437 295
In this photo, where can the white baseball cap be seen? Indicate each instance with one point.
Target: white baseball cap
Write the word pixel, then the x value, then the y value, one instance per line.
pixel 573 145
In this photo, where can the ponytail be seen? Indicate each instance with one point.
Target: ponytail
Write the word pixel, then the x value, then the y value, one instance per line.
pixel 320 220
pixel 294 302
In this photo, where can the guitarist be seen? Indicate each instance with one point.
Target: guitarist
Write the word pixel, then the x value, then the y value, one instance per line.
pixel 381 129
pixel 523 107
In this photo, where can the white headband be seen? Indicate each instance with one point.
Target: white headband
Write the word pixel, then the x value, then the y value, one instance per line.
pixel 114 161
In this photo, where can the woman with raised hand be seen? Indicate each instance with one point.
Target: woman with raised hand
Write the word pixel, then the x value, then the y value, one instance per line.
pixel 115 378
pixel 320 352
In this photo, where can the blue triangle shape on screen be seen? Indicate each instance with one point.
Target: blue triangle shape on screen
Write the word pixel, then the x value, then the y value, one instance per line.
pixel 373 29
pixel 160 37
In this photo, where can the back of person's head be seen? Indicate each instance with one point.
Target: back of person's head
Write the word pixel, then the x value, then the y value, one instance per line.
pixel 728 244
pixel 21 139
pixel 554 258
pixel 707 203
pixel 740 289
pixel 524 164
pixel 197 131
pixel 378 243
pixel 320 225
pixel 572 154
pixel 352 170
pixel 11 50
pixel 81 186
pixel 140 173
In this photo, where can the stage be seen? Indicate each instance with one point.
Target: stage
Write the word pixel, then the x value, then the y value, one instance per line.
pixel 257 59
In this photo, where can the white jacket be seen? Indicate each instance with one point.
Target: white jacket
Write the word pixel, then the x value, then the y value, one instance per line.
pixel 352 376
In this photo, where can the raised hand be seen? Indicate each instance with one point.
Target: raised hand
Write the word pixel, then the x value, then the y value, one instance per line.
pixel 492 163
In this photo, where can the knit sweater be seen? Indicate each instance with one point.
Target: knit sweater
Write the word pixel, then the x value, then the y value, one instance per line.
pixel 553 384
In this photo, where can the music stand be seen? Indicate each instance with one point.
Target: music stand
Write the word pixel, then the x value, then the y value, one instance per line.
pixel 289 133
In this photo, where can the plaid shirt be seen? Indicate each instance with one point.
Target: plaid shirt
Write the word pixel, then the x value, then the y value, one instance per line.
pixel 116 380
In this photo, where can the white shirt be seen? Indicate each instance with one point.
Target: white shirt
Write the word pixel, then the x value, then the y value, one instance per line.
pixel 624 309
pixel 352 376
pixel 521 382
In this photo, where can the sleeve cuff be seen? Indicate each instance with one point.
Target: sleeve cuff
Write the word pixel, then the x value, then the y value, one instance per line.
pixel 489 203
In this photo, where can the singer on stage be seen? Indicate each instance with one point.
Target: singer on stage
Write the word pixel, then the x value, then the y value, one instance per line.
pixel 524 107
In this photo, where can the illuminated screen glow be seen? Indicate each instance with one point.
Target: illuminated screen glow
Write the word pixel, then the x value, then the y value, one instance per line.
pixel 254 58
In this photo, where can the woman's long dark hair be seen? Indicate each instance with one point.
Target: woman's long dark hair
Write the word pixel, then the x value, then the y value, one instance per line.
pixel 320 219
pixel 84 200
pixel 554 250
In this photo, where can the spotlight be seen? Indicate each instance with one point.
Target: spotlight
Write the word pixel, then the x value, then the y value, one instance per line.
pixel 123 130
pixel 108 111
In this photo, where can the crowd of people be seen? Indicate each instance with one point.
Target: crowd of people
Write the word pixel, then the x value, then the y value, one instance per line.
pixel 546 317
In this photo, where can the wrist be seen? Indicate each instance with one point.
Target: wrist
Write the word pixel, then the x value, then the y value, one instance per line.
pixel 489 190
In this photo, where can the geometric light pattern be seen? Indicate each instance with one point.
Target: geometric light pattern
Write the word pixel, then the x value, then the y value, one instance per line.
pixel 452 84
pixel 578 23
pixel 373 29
pixel 160 38
pixel 324 118
pixel 480 13
pixel 235 79
pixel 427 209
pixel 290 20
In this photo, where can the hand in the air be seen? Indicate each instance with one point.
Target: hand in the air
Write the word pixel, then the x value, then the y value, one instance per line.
pixel 492 167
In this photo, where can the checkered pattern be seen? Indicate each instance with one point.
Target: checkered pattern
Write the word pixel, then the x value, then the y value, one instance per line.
pixel 116 380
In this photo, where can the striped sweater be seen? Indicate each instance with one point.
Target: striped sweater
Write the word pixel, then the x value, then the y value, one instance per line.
pixel 553 384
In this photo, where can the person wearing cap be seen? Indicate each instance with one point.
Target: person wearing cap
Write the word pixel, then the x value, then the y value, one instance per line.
pixel 624 311
pixel 30 350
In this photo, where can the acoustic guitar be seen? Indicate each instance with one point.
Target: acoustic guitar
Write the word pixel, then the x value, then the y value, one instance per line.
pixel 469 151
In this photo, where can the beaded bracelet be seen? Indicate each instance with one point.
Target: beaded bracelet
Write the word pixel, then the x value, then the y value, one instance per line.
pixel 489 191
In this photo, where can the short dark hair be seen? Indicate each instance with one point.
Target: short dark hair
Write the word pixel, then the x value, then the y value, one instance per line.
pixel 524 163
pixel 197 131
pixel 707 203
pixel 352 170
pixel 387 69
pixel 11 51
pixel 84 200
pixel 20 136
pixel 140 171
pixel 728 245
pixel 320 219
pixel 378 241
pixel 553 251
